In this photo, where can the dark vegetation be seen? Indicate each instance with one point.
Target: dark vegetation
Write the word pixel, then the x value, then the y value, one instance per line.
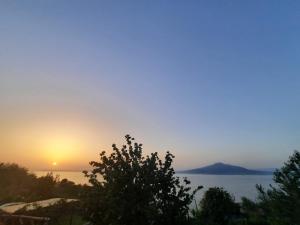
pixel 18 185
pixel 216 207
pixel 280 204
pixel 136 189
pixel 129 188
pixel 62 213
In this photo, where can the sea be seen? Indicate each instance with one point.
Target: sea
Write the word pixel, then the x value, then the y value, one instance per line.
pixel 237 185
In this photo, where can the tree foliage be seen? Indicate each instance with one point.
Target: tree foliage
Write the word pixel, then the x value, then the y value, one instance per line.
pixel 280 204
pixel 216 207
pixel 60 213
pixel 18 184
pixel 130 189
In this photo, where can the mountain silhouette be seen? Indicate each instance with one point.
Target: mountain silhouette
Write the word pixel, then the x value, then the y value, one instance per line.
pixel 225 169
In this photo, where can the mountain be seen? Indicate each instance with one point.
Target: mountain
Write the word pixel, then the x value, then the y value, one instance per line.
pixel 225 169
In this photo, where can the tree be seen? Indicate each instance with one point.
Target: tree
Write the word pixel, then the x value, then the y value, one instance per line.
pixel 281 203
pixel 130 189
pixel 68 189
pixel 16 183
pixel 217 207
pixel 46 186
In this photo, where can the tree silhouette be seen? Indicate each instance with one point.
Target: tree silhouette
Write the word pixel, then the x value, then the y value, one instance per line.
pixel 130 189
pixel 217 207
pixel 281 203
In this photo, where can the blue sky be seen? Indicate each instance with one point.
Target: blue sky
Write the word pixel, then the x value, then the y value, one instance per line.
pixel 208 80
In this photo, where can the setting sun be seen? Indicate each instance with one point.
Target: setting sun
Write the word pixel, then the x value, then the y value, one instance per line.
pixel 63 147
pixel 123 110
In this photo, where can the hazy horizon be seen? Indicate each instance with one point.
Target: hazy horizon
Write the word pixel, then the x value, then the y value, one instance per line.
pixel 209 81
pixel 58 168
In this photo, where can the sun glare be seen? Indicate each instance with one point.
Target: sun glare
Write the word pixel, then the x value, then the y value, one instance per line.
pixel 60 149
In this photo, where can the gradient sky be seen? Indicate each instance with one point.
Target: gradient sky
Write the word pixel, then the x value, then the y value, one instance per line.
pixel 207 80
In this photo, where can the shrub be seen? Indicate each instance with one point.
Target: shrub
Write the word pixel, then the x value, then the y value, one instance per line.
pixel 130 189
pixel 217 207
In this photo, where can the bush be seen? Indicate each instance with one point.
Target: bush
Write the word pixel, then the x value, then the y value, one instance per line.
pixel 130 189
pixel 280 204
pixel 61 213
pixel 217 207
pixel 17 184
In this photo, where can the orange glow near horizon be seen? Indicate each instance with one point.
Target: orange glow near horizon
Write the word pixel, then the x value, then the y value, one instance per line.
pixel 59 149
pixel 62 149
pixel 40 145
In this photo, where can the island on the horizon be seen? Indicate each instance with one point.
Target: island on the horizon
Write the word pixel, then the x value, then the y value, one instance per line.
pixel 225 169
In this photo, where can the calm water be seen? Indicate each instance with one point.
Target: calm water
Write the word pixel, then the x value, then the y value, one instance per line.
pixel 238 185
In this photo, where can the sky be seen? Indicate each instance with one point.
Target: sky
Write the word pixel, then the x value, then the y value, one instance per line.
pixel 209 81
